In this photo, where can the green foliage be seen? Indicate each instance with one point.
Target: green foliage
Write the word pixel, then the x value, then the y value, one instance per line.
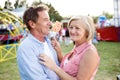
pixel 54 15
pixel 95 19
pixel 20 3
pixel 1 9
pixel 16 4
pixel 8 5
pixel 35 3
pixel 108 16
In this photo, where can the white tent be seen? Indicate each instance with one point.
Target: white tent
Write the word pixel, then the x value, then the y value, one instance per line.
pixel 19 11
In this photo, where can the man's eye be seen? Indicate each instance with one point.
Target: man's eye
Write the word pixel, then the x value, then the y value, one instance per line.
pixel 46 19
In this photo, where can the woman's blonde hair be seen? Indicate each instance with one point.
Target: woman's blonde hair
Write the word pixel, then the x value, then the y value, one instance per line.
pixel 88 25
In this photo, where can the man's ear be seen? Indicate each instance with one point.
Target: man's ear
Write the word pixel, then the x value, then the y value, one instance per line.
pixel 32 24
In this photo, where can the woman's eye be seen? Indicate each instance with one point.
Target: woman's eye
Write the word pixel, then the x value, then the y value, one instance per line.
pixel 74 28
pixel 77 28
pixel 70 27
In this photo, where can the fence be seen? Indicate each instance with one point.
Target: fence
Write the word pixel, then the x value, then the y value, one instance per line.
pixel 8 51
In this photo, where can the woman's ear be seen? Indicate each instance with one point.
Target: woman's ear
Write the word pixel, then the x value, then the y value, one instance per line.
pixel 32 24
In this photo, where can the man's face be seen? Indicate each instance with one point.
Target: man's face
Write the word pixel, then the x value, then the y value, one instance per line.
pixel 42 25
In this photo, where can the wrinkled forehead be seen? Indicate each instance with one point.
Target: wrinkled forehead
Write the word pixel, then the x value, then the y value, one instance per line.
pixel 43 14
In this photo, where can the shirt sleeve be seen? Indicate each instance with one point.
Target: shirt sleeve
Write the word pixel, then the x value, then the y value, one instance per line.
pixel 29 66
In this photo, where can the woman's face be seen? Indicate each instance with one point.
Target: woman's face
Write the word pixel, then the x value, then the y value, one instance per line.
pixel 77 31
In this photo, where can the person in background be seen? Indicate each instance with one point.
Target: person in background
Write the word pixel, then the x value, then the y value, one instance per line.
pixel 95 41
pixel 83 60
pixel 67 37
pixel 63 34
pixel 37 42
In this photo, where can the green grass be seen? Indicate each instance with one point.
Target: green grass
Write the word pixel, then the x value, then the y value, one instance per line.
pixel 109 66
pixel 9 70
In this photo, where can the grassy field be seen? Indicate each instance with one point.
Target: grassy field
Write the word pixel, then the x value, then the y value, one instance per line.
pixel 109 66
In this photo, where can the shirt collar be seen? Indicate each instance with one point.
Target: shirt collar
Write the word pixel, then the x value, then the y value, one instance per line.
pixel 81 47
pixel 30 36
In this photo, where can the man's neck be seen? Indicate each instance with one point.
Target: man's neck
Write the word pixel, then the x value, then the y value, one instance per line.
pixel 40 37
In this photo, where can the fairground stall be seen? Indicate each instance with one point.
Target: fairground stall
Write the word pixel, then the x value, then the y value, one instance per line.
pixel 110 32
pixel 11 32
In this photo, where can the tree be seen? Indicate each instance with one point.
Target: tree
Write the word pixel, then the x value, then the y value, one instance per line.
pixel 108 16
pixel 54 15
pixel 20 3
pixel 1 9
pixel 16 4
pixel 8 5
pixel 35 3
pixel 95 18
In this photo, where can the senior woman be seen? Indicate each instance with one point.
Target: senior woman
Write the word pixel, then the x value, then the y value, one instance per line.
pixel 81 63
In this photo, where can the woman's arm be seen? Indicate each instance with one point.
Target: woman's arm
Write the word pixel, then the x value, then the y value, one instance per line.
pixel 57 47
pixel 47 61
pixel 88 65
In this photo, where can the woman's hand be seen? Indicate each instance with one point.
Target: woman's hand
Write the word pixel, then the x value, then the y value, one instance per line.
pixel 47 61
pixel 57 47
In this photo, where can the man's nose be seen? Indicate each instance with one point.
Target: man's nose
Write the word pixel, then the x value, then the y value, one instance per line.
pixel 50 23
